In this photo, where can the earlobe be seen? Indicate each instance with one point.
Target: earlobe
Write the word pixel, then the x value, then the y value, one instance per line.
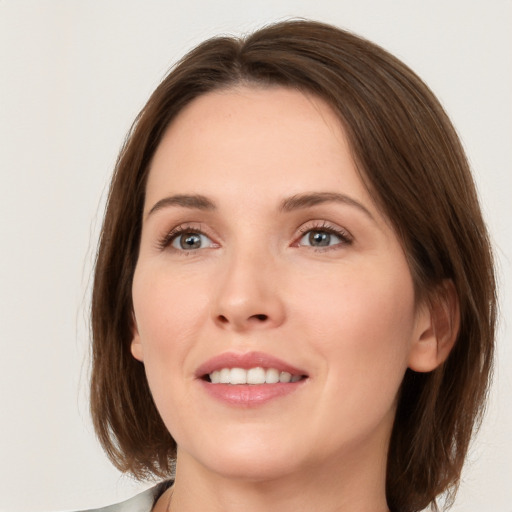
pixel 437 329
pixel 136 345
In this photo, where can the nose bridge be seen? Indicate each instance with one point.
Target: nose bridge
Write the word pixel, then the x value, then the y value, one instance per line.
pixel 248 294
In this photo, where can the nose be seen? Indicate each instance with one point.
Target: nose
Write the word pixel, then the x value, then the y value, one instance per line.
pixel 249 295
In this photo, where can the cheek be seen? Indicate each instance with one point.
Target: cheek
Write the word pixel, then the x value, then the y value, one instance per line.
pixel 169 313
pixel 164 306
pixel 364 326
pixel 363 333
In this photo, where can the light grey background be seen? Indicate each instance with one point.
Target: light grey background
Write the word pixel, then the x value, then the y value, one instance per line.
pixel 73 75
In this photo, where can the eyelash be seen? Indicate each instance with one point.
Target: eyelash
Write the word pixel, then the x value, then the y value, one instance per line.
pixel 323 227
pixel 169 238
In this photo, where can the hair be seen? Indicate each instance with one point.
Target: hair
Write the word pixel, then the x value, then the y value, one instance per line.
pixel 411 160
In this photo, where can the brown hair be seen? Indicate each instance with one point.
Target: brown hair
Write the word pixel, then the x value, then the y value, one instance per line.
pixel 412 162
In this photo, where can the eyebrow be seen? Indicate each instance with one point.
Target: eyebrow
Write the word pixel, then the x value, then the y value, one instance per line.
pixel 308 200
pixel 295 202
pixel 193 201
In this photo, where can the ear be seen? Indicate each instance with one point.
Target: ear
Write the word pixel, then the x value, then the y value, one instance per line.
pixel 136 345
pixel 437 327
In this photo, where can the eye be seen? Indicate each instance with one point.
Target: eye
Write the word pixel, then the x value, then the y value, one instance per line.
pixel 323 237
pixel 190 240
pixel 316 238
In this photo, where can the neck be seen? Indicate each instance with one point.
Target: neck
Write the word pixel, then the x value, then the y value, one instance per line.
pixel 357 485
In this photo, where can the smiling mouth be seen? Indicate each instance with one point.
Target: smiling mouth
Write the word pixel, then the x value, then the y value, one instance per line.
pixel 251 376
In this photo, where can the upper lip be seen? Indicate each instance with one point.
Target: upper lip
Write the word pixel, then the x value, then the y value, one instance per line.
pixel 246 361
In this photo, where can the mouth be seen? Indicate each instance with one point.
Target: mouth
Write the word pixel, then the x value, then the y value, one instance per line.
pixel 252 376
pixel 250 379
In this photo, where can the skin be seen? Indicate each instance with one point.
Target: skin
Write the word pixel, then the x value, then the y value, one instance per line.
pixel 345 313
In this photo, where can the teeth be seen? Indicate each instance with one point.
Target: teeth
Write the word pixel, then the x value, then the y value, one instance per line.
pixel 238 376
pixel 225 376
pixel 256 375
pixel 272 376
pixel 285 377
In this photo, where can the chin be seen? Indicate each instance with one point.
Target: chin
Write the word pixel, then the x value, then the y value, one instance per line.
pixel 256 469
pixel 251 460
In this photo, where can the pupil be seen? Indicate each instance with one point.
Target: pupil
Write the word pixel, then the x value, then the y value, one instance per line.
pixel 319 238
pixel 190 241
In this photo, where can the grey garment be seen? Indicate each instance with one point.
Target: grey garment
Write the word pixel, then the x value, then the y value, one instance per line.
pixel 142 502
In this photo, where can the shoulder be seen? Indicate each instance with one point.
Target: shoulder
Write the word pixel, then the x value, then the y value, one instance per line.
pixel 142 502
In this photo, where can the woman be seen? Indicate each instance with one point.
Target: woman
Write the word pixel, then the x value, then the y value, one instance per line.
pixel 294 300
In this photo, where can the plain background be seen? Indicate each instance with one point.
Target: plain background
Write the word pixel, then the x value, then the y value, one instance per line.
pixel 73 75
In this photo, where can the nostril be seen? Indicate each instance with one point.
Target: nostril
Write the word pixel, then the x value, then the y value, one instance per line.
pixel 253 319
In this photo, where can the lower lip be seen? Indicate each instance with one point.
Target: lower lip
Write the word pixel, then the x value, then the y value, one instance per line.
pixel 250 395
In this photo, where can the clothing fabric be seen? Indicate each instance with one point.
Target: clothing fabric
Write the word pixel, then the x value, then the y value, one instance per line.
pixel 143 502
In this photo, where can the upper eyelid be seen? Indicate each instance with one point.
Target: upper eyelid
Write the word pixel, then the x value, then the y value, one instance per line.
pixel 169 235
pixel 325 225
pixel 199 227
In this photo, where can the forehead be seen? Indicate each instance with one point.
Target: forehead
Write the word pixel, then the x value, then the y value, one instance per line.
pixel 271 141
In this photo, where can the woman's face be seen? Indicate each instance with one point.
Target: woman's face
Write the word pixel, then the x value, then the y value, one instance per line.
pixel 263 257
